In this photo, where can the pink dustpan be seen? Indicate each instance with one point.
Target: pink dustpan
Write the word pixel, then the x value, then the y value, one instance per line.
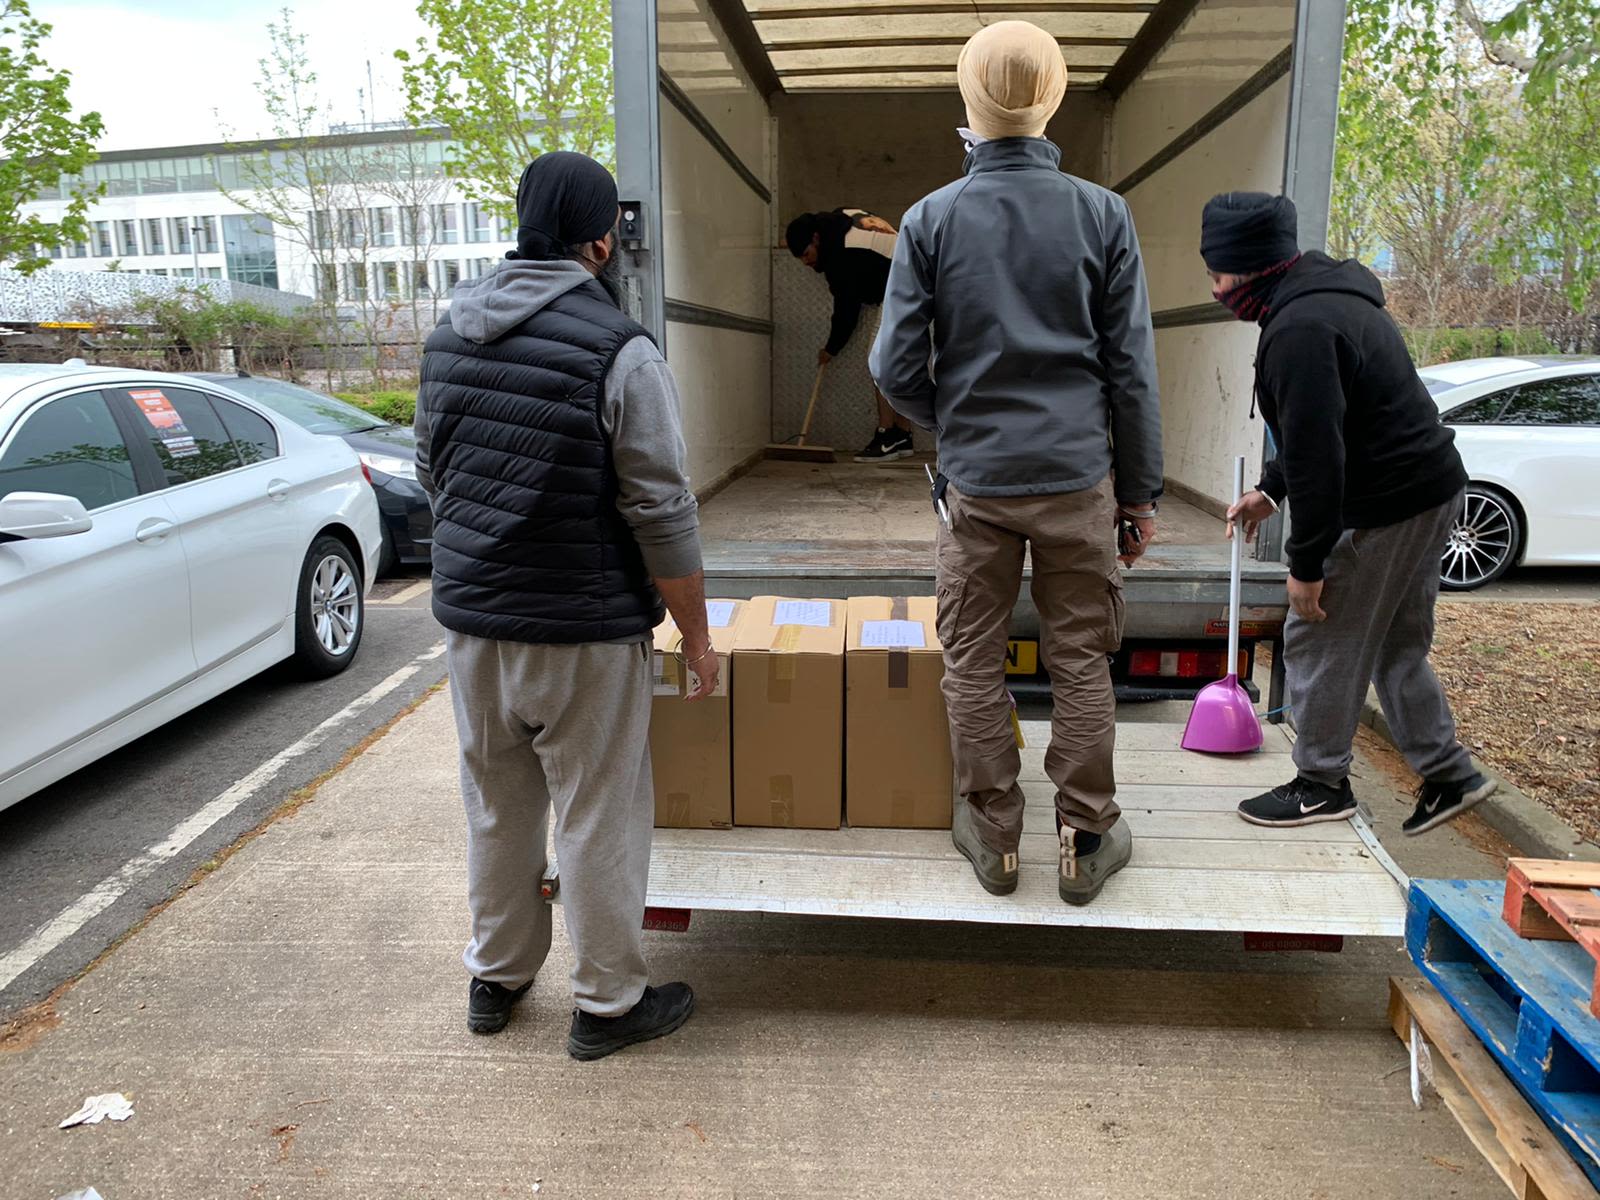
pixel 1223 720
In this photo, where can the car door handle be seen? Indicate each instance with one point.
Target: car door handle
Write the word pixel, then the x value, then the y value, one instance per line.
pixel 278 489
pixel 153 530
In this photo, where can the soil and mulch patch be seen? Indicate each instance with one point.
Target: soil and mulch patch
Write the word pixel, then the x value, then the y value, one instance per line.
pixel 1524 680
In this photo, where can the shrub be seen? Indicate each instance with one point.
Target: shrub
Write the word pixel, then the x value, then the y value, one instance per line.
pixel 398 408
pixel 1429 346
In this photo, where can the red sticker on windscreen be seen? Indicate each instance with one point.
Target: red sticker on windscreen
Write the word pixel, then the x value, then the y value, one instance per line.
pixel 166 420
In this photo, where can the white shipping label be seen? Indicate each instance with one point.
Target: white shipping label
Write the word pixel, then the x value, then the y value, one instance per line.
pixel 719 613
pixel 898 635
pixel 816 613
pixel 663 686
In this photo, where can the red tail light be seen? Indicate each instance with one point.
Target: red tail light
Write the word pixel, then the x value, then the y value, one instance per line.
pixel 366 471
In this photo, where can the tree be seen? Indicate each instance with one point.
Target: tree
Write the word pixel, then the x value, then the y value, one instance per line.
pixel 40 141
pixel 511 80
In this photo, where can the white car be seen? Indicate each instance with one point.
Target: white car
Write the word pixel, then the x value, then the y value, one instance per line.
pixel 1529 432
pixel 161 540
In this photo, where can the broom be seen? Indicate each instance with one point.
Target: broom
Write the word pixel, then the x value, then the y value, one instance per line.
pixel 798 451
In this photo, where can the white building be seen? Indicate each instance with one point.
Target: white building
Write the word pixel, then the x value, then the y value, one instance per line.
pixel 394 228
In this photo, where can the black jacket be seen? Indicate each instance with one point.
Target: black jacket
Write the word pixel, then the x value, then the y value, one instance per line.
pixel 855 277
pixel 528 544
pixel 1359 439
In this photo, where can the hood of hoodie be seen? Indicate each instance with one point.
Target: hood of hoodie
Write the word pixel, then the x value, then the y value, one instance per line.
pixel 485 310
pixel 1316 272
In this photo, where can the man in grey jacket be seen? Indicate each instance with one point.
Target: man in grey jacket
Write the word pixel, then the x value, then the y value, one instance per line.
pixel 1025 287
pixel 549 438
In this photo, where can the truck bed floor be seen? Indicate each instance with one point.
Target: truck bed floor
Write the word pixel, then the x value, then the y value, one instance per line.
pixel 1196 865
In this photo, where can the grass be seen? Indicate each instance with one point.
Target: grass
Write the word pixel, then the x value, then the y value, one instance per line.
pixel 397 407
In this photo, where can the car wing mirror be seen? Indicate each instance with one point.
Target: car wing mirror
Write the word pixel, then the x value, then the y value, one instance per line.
pixel 42 515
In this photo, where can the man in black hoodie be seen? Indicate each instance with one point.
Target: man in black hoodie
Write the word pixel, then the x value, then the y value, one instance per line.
pixel 1374 482
pixel 851 248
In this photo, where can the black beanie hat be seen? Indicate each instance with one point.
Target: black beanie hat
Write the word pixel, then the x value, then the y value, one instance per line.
pixel 1245 232
pixel 563 199
pixel 800 232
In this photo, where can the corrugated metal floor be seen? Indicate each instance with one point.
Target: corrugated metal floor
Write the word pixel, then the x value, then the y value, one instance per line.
pixel 1196 865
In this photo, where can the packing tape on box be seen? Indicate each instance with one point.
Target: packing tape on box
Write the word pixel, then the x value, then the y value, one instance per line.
pixel 780 789
pixel 899 660
pixel 780 664
pixel 678 809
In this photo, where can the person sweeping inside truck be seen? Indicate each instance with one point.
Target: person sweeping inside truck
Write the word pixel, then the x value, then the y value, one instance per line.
pixel 1374 482
pixel 1026 287
pixel 851 248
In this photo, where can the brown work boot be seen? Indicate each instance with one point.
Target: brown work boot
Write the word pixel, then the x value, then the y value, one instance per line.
pixel 997 872
pixel 1085 871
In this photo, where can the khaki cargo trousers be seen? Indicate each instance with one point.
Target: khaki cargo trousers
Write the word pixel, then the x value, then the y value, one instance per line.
pixel 1077 588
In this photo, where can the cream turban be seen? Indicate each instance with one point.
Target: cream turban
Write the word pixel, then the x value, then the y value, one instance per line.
pixel 1012 78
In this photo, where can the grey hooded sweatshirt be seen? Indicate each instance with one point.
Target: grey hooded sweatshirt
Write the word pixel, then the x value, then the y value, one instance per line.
pixel 640 411
pixel 1025 287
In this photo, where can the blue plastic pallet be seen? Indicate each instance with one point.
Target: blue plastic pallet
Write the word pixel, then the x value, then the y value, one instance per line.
pixel 1527 1001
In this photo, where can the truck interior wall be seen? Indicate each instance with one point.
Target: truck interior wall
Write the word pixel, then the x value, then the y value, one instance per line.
pixel 716 234
pixel 883 151
pixel 1206 365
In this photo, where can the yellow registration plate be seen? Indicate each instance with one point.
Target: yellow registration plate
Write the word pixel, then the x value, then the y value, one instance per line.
pixel 1022 658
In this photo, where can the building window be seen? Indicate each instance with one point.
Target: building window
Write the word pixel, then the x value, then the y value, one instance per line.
pixel 155 240
pixel 352 228
pixel 207 236
pixel 211 272
pixel 102 240
pixel 384 230
pixel 250 246
pixel 128 238
pixel 449 274
pixel 322 228
pixel 478 224
pixel 79 250
pixel 328 282
pixel 411 225
pixel 181 241
pixel 355 281
pixel 445 225
pixel 419 279
pixel 389 280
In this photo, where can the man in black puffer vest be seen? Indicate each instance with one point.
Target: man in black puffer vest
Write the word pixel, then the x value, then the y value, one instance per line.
pixel 1374 483
pixel 549 437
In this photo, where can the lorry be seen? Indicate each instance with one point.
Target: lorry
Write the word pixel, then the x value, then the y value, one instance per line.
pixel 732 116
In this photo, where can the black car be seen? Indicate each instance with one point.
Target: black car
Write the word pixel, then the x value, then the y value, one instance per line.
pixel 389 453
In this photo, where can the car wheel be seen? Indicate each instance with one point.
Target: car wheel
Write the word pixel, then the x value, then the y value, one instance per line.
pixel 1484 541
pixel 330 612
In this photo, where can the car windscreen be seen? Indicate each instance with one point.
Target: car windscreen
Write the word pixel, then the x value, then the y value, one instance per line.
pixel 310 410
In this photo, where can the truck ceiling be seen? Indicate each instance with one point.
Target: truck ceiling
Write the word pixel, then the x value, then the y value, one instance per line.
pixel 812 45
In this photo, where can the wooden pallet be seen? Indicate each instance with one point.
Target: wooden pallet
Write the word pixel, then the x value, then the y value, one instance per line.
pixel 1500 1123
pixel 1554 900
pixel 1527 1002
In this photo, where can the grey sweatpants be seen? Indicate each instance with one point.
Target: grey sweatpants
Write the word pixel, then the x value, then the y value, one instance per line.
pixel 1379 591
pixel 568 728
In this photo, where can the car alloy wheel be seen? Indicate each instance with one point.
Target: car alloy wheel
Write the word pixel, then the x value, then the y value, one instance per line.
pixel 335 605
pixel 1482 542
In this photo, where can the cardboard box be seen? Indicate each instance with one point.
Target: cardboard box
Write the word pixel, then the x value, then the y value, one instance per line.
pixel 788 714
pixel 897 735
pixel 691 745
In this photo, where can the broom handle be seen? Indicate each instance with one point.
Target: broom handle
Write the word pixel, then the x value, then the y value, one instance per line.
pixel 1234 571
pixel 816 390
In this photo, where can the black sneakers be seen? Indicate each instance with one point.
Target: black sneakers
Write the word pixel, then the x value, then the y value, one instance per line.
pixel 1300 802
pixel 659 1011
pixel 886 446
pixel 1438 802
pixel 489 1004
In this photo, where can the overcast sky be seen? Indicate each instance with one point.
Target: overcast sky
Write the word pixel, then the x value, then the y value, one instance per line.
pixel 180 72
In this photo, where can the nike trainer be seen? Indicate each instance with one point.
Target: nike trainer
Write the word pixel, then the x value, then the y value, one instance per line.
pixel 1301 801
pixel 1438 801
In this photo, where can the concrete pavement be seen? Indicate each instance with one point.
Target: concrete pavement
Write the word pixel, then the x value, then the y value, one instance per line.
pixel 294 1026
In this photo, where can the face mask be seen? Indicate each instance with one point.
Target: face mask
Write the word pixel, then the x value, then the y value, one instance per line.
pixel 972 140
pixel 1252 299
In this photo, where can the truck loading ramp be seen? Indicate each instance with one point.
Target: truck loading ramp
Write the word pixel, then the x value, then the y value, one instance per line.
pixel 1196 865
